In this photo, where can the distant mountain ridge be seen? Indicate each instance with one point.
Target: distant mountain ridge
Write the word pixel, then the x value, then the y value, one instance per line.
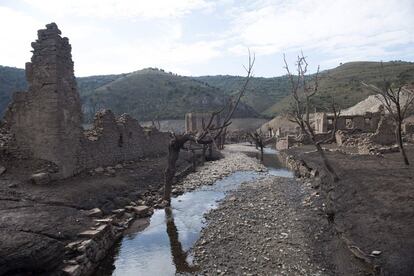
pixel 155 94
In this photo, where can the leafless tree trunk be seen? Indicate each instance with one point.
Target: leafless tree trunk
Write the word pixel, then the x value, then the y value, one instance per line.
pixel 207 136
pixel 398 98
pixel 302 91
pixel 336 110
pixel 258 140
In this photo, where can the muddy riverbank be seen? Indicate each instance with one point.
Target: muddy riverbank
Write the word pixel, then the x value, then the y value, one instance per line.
pixel 372 208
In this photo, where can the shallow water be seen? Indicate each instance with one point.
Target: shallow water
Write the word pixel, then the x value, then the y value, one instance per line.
pixel 272 163
pixel 161 248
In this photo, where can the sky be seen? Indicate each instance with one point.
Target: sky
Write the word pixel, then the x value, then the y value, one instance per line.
pixel 205 37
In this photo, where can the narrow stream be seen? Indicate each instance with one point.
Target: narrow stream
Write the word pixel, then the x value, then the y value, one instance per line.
pixel 161 248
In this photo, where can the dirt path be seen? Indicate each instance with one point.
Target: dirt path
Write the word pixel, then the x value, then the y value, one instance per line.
pixel 271 226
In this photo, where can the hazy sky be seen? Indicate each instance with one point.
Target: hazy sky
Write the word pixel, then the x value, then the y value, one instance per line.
pixel 202 37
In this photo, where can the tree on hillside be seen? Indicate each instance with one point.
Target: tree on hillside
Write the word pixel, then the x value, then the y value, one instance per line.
pixel 398 98
pixel 209 134
pixel 303 88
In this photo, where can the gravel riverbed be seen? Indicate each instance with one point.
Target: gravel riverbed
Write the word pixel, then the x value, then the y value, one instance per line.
pixel 233 161
pixel 269 226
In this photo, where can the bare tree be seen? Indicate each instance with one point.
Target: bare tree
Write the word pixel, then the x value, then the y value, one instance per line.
pixel 303 88
pixel 398 99
pixel 207 136
pixel 336 111
pixel 257 137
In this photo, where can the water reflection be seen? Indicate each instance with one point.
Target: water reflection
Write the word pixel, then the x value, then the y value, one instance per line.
pixel 162 247
pixel 179 255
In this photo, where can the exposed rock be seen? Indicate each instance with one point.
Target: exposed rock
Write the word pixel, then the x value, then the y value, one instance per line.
pixel 95 212
pixel 142 211
pixel 72 270
pixel 111 171
pixel 93 233
pixel 2 170
pixel 41 178
pixel 27 252
pixel 99 170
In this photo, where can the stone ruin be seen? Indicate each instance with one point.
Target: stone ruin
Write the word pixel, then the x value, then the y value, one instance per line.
pixel 367 131
pixel 195 122
pixel 365 123
pixel 46 121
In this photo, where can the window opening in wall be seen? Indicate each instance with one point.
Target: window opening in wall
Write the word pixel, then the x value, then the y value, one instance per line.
pixel 349 123
pixel 120 141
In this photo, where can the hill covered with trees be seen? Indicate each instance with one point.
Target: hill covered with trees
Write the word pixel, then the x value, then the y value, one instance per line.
pixel 155 94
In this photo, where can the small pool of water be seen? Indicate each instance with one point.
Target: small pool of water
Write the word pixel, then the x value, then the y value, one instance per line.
pixel 161 248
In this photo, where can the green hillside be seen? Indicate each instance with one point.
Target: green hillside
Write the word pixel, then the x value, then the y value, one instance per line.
pixel 262 93
pixel 151 93
pixel 11 79
pixel 344 83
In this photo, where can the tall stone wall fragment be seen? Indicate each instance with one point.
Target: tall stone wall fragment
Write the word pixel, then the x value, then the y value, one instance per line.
pixel 47 119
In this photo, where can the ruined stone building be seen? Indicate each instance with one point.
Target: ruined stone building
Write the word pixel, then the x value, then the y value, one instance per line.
pixel 197 121
pixel 368 122
pixel 46 121
pixel 367 128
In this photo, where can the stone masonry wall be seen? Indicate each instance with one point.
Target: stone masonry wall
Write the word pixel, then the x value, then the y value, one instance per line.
pixel 112 140
pixel 47 119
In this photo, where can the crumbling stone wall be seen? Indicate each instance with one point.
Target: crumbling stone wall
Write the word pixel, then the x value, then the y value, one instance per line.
pixel 408 128
pixel 47 119
pixel 385 133
pixel 368 122
pixel 196 121
pixel 113 140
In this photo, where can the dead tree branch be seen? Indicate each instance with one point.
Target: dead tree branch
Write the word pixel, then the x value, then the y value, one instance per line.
pixel 397 98
pixel 302 90
pixel 207 136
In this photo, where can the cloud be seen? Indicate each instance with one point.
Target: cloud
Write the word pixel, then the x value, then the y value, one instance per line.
pixel 124 9
pixel 172 56
pixel 16 38
pixel 271 27
pixel 209 37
